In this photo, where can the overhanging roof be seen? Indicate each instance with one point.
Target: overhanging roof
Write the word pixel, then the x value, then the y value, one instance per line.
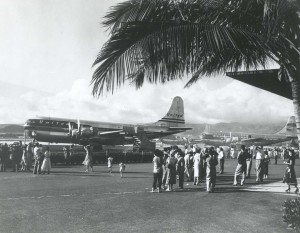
pixel 264 79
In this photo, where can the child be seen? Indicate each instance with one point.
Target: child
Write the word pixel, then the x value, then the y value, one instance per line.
pixel 122 168
pixel 46 166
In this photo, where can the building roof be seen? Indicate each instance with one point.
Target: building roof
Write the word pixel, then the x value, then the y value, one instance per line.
pixel 264 79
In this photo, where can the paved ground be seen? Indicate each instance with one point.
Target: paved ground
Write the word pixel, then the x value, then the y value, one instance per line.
pixel 69 200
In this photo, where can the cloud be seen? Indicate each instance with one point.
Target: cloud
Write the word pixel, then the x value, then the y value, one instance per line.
pixel 229 101
pixel 47 51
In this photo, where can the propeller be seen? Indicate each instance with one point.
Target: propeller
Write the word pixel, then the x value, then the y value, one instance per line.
pixel 70 129
pixel 78 126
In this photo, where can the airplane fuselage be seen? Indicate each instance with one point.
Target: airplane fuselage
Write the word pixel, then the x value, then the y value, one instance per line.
pixel 61 130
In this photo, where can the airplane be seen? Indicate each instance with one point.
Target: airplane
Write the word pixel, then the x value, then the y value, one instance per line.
pixel 83 132
pixel 287 133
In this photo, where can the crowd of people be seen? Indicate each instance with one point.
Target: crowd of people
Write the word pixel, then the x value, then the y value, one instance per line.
pixel 199 164
pixel 20 157
pixel 194 164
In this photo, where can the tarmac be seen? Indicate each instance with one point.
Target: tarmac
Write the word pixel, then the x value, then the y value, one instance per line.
pixel 70 200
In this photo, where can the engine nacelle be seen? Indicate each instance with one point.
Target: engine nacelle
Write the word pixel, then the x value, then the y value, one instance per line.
pixel 133 130
pixel 86 131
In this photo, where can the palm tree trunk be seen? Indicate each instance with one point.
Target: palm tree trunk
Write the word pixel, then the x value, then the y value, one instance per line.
pixel 295 85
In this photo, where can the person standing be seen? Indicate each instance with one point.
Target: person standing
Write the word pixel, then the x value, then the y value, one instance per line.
pixel 4 157
pixel 166 154
pixel 204 155
pixel 46 166
pixel 110 163
pixel 290 175
pixel 187 165
pixel 191 165
pixel 29 156
pixel 157 170
pixel 37 156
pixel 24 160
pixel 66 150
pixel 221 159
pixel 249 162
pixel 259 158
pixel 71 148
pixel 266 164
pixel 284 154
pixel 13 157
pixel 275 154
pixel 88 158
pixel 41 158
pixel 241 166
pixel 180 168
pixel 211 172
pixel 197 168
pixel 171 171
pixel 18 155
pixel 122 168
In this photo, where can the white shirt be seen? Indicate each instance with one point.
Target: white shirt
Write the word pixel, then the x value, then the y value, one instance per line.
pixel 221 155
pixel 260 154
pixel 109 161
pixel 197 158
pixel 187 159
pixel 36 152
pixel 156 164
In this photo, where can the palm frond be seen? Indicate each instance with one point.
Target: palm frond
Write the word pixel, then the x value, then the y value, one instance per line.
pixel 162 40
pixel 169 51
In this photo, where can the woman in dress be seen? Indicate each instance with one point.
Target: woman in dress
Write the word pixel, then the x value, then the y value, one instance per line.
pixel 197 168
pixel 171 171
pixel 88 159
pixel 290 175
pixel 24 159
pixel 46 166
pixel 110 164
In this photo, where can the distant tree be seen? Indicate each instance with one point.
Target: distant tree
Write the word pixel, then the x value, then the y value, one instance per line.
pixel 162 40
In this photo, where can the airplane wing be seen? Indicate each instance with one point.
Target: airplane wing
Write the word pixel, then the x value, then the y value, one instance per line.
pixel 180 128
pixel 263 141
pixel 111 132
pixel 253 140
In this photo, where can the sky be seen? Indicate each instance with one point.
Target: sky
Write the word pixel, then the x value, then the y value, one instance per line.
pixel 47 51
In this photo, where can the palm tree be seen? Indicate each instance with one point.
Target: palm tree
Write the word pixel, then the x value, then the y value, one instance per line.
pixel 162 40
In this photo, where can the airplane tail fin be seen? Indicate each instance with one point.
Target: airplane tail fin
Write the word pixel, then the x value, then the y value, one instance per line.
pixel 175 115
pixel 290 129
